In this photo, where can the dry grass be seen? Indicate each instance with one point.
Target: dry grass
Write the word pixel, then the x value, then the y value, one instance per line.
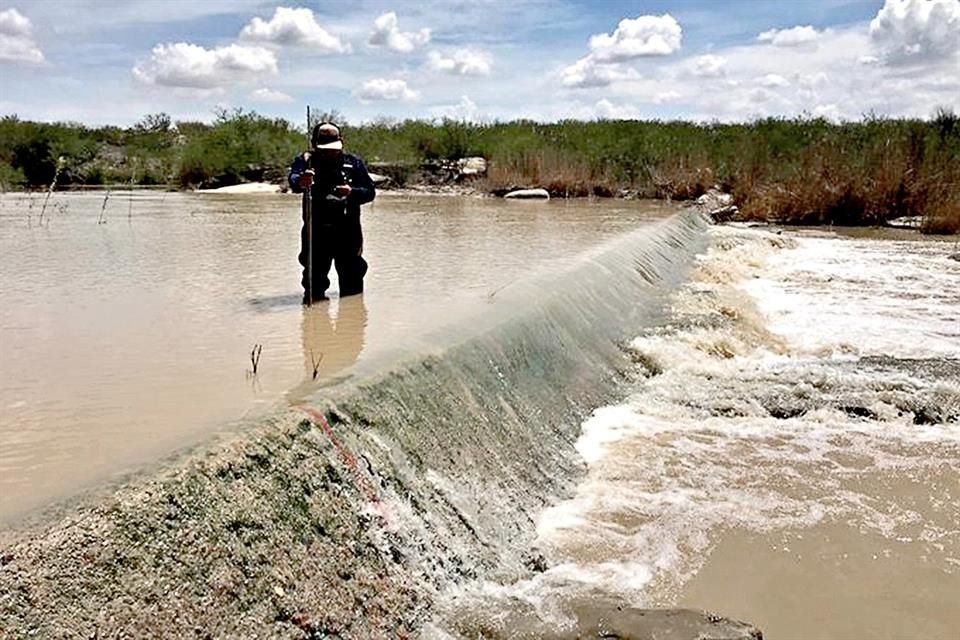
pixel 801 170
pixel 561 174
pixel 943 216
pixel 682 180
pixel 829 186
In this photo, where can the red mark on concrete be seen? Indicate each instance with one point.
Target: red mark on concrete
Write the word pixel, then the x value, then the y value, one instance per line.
pixel 350 461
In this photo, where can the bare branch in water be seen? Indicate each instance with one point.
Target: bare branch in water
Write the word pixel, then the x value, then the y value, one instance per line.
pixel 103 209
pixel 61 161
pixel 255 359
pixel 316 363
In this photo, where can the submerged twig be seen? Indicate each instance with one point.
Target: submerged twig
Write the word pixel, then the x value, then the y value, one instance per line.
pixel 53 185
pixel 316 363
pixel 103 209
pixel 255 359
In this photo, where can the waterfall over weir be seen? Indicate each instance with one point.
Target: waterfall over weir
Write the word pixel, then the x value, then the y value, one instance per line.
pixel 477 437
pixel 349 514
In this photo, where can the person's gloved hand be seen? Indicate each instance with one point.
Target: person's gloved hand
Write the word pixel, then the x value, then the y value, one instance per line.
pixel 343 190
pixel 306 179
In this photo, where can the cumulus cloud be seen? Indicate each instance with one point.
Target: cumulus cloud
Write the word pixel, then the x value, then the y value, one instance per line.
pixel 793 37
pixel 666 96
pixel 385 89
pixel 466 111
pixel 841 72
pixel 709 66
pixel 293 27
pixel 269 95
pixel 634 38
pixel 913 31
pixel 828 111
pixel 637 38
pixel 193 67
pixel 386 33
pixel 463 62
pixel 16 38
pixel 607 110
pixel 773 80
pixel 587 72
pixel 814 80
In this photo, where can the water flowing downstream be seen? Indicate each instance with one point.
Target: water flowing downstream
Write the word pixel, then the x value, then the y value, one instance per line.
pixel 789 455
pixel 757 424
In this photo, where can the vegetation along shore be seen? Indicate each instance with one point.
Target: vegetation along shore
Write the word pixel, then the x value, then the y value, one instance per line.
pixel 792 171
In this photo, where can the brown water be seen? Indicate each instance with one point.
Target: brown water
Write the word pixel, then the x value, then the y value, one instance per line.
pixel 871 477
pixel 123 341
pixel 790 454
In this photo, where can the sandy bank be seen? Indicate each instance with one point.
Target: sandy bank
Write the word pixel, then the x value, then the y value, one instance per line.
pixel 247 188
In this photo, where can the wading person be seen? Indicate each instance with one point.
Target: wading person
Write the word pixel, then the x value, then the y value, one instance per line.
pixel 338 184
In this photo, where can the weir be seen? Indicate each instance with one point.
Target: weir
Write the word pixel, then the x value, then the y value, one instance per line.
pixel 348 513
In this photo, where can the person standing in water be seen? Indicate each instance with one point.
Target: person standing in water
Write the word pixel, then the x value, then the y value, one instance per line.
pixel 339 184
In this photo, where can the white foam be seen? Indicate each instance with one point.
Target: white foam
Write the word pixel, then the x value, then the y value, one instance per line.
pixel 697 450
pixel 754 413
pixel 871 297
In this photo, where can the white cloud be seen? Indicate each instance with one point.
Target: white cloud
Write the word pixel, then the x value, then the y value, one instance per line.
pixel 386 33
pixel 828 111
pixel 384 89
pixel 757 82
pixel 463 62
pixel 761 95
pixel 293 27
pixel 793 37
pixel 466 111
pixel 827 80
pixel 666 96
pixel 708 66
pixel 607 110
pixel 587 72
pixel 269 95
pixel 814 81
pixel 16 38
pixel 909 31
pixel 638 37
pixel 634 38
pixel 191 66
pixel 772 80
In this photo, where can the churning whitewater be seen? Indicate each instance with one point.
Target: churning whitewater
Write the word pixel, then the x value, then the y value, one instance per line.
pixel 788 454
pixel 687 416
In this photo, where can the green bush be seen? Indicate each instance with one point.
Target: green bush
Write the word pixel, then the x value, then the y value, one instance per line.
pixel 238 147
pixel 805 170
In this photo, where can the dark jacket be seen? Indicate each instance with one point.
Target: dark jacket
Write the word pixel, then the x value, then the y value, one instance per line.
pixel 352 172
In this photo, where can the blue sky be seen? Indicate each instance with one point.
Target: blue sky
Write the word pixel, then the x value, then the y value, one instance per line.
pixel 105 61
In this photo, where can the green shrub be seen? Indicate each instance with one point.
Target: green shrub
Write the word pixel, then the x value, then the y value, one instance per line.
pixel 801 170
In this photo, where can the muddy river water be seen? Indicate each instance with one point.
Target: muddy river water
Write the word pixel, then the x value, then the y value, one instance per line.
pixel 787 450
pixel 791 453
pixel 127 322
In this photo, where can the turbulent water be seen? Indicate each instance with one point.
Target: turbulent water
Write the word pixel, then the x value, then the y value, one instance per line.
pixel 127 319
pixel 789 453
pixel 620 410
